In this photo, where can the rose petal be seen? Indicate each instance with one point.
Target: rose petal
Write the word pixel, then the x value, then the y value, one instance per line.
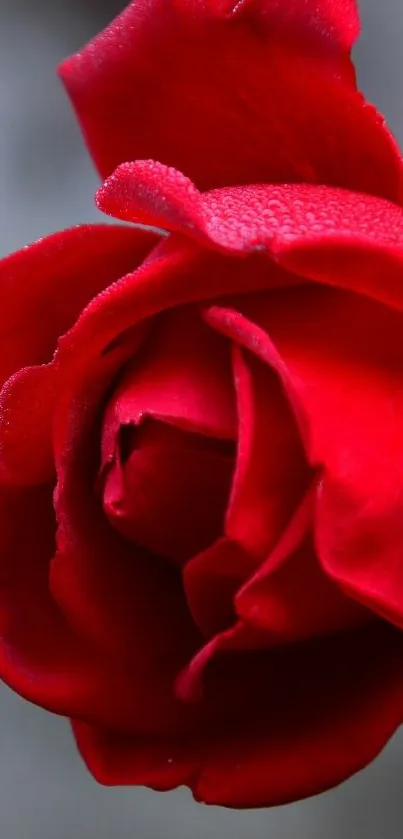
pixel 85 541
pixel 26 456
pixel 312 716
pixel 298 601
pixel 182 376
pixel 42 656
pixel 189 685
pixel 287 599
pixel 290 222
pixel 233 567
pixel 44 659
pixel 328 20
pixel 343 355
pixel 49 283
pixel 177 273
pixel 211 580
pixel 325 714
pixel 289 596
pixel 161 764
pixel 233 94
pixel 271 472
pixel 171 493
pixel 123 600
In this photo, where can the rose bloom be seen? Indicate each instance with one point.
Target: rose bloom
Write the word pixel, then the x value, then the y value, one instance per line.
pixel 201 436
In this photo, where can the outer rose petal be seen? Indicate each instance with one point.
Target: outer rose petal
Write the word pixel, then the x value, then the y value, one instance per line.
pixel 252 92
pixel 336 236
pixel 162 764
pixel 93 673
pixel 49 283
pixel 326 721
pixel 314 715
pixel 44 659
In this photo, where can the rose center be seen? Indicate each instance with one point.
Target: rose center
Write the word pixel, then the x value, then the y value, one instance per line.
pixel 167 489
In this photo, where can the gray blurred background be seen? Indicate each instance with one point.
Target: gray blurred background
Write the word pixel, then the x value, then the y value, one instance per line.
pixel 47 183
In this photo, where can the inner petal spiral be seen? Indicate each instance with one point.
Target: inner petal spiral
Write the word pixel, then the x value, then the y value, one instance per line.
pixel 168 439
pixel 168 489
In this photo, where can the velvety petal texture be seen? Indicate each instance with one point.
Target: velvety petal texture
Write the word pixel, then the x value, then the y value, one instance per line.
pixel 234 94
pixel 201 465
pixel 44 288
pixel 334 708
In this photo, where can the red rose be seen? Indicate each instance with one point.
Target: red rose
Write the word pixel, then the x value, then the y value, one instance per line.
pixel 201 459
